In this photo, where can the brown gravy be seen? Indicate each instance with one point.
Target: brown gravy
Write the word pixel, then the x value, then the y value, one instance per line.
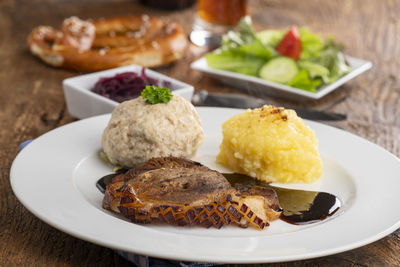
pixel 299 206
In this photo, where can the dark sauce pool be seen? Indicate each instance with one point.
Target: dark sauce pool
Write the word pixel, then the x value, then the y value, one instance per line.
pixel 299 206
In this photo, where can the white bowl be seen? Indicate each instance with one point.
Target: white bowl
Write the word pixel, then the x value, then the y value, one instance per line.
pixel 83 103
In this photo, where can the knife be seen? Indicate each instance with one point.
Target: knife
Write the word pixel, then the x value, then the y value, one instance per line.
pixel 204 98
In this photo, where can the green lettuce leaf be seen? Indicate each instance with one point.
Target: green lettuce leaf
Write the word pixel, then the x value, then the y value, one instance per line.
pixel 315 70
pixel 241 51
pixel 257 49
pixel 339 68
pixel 233 61
pixel 245 34
pixel 245 41
pixel 332 58
pixel 303 81
pixel 311 44
pixel 245 28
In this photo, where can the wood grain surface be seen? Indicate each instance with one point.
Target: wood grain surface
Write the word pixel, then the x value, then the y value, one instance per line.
pixel 32 103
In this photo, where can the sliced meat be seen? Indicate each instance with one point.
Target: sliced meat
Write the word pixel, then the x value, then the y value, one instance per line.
pixel 156 163
pixel 183 192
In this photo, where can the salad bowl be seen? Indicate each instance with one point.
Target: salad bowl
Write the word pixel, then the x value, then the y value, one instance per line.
pixel 293 63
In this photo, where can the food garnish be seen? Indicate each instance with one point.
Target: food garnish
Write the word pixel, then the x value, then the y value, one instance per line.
pixel 271 144
pixel 297 57
pixel 156 95
pixel 125 86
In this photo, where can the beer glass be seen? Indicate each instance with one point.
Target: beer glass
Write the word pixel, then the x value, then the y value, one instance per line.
pixel 214 18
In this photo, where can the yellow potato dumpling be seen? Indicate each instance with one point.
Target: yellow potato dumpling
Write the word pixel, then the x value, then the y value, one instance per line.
pixel 272 144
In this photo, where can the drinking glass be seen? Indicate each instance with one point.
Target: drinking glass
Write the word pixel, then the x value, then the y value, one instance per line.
pixel 214 18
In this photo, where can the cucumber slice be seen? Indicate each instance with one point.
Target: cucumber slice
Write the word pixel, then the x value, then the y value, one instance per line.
pixel 279 70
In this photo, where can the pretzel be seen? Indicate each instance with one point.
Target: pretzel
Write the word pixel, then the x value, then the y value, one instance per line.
pixel 108 43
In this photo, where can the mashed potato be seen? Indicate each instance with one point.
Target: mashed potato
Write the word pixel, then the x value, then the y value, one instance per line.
pixel 271 144
pixel 139 131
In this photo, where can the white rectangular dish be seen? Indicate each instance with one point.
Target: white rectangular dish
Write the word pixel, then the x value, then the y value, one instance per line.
pixel 264 87
pixel 83 103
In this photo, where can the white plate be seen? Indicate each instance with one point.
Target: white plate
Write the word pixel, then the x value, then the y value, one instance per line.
pixel 260 86
pixel 83 103
pixel 54 177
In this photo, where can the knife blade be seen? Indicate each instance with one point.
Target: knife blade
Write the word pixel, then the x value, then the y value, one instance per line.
pixel 205 98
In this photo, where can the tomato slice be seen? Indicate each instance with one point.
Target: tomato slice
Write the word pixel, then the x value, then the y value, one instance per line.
pixel 290 45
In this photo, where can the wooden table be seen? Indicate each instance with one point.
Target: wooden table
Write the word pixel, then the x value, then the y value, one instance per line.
pixel 32 103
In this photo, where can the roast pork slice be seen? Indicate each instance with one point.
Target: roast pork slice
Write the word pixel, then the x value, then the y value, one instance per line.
pixel 183 192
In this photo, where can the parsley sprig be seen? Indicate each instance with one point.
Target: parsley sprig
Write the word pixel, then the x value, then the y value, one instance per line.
pixel 155 95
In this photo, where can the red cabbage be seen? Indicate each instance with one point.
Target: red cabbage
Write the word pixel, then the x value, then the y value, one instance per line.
pixel 125 86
